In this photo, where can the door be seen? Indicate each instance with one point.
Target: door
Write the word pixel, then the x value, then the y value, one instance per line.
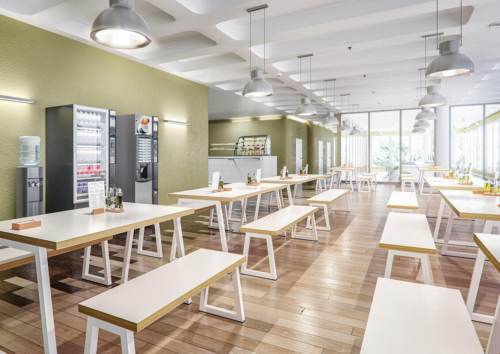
pixel 320 157
pixel 328 156
pixel 298 155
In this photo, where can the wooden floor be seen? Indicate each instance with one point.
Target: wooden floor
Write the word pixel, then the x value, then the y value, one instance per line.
pixel 319 304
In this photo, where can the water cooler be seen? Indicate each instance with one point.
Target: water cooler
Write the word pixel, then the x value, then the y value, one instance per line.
pixel 137 158
pixel 29 191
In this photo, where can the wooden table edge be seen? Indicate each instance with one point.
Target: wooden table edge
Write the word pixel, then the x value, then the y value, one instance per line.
pixel 90 237
pixel 217 198
pixel 402 207
pixel 487 253
pixel 407 249
pixel 137 327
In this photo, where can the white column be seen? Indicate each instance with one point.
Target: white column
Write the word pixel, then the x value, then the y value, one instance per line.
pixel 443 136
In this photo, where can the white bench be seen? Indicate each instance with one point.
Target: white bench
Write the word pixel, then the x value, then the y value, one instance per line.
pixel 133 306
pixel 12 257
pixel 401 200
pixel 409 318
pixel 273 225
pixel 374 175
pixel 365 179
pixel 324 199
pixel 408 235
pixel 332 179
pixel 408 179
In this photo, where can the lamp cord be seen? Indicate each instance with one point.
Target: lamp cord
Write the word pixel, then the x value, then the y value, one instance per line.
pixel 300 76
pixel 425 59
pixel 437 24
pixel 310 75
pixel 264 41
pixel 461 22
pixel 250 48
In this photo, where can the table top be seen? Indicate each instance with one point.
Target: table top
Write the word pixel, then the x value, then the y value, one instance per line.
pixel 403 200
pixel 76 227
pixel 160 290
pixel 240 191
pixel 435 168
pixel 295 180
pixel 407 232
pixel 452 184
pixel 468 205
pixel 490 245
pixel 328 196
pixel 414 318
pixel 350 168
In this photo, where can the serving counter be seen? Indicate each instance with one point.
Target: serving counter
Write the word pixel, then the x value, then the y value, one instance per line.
pixel 235 169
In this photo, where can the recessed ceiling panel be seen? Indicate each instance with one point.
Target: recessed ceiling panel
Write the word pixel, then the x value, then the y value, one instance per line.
pixel 203 62
pixel 172 45
pixel 29 7
pixel 207 6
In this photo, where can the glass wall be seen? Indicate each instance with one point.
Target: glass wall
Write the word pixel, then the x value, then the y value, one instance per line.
pixel 385 145
pixel 492 139
pixel 355 147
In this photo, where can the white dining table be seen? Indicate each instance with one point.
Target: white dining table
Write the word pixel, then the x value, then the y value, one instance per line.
pixel 71 228
pixel 294 180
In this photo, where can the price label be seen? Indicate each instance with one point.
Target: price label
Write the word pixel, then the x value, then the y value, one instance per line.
pixel 215 180
pixel 96 195
pixel 258 175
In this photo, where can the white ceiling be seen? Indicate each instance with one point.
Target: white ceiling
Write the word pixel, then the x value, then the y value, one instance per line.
pixel 207 41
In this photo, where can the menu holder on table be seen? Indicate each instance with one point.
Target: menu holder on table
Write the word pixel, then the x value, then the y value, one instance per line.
pixel 97 211
pixel 448 177
pixel 487 194
pixel 226 189
pixel 115 210
pixel 466 184
pixel 283 178
pixel 253 184
pixel 303 174
pixel 26 224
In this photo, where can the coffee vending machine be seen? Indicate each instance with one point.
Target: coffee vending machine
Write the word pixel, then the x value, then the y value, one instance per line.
pixel 137 158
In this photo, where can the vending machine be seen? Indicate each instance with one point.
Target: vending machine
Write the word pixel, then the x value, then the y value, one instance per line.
pixel 137 158
pixel 112 148
pixel 77 140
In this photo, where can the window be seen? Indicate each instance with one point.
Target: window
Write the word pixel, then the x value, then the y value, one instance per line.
pixel 385 145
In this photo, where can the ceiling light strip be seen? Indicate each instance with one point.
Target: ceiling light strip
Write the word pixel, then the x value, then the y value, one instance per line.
pixel 168 121
pixel 16 99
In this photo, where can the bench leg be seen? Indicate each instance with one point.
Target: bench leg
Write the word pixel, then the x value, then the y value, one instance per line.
pixel 424 259
pixel 494 340
pixel 106 280
pixel 257 207
pixel 238 314
pixel 178 246
pixel 327 219
pixel 93 326
pixel 272 265
pixel 222 231
pixel 289 193
pixel 159 247
pixel 388 265
pixel 312 221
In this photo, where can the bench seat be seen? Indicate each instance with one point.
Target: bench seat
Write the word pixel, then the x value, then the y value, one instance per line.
pixel 324 199
pixel 133 306
pixel 402 200
pixel 273 225
pixel 365 179
pixel 408 235
pixel 408 179
pixel 413 318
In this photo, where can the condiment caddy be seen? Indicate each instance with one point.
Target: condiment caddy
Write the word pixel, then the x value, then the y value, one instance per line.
pixel 220 187
pixel 114 201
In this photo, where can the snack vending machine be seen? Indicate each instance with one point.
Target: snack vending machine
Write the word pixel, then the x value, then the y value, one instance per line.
pixel 137 158
pixel 76 153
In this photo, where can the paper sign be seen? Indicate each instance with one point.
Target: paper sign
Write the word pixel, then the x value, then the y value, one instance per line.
pixel 96 195
pixel 215 180
pixel 307 168
pixel 283 173
pixel 258 175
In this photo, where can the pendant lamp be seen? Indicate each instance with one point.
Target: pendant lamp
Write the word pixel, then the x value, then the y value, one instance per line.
pixel 450 62
pixel 257 86
pixel 345 127
pixel 433 98
pixel 426 114
pixel 421 124
pixel 306 109
pixel 120 27
pixel 418 130
pixel 330 119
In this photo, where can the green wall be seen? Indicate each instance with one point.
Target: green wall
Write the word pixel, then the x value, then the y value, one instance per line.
pixel 54 70
pixel 283 133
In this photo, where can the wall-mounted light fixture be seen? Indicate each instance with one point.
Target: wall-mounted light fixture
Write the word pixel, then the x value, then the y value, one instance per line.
pixel 16 99
pixel 176 122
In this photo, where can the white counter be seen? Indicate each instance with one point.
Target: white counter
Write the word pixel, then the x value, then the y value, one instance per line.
pixel 235 169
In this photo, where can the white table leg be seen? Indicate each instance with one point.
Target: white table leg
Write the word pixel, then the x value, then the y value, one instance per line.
pixel 220 220
pixel 429 202
pixel 474 283
pixel 243 212
pixel 294 192
pixel 438 221
pixel 350 179
pixel 289 193
pixel 257 207
pixel 126 256
pixel 422 183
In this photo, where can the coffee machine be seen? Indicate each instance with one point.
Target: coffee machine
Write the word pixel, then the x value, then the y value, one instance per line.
pixel 137 158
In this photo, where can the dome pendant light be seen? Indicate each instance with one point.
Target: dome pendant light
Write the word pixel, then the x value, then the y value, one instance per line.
pixel 330 119
pixel 433 98
pixel 120 27
pixel 450 62
pixel 418 130
pixel 306 109
pixel 426 114
pixel 421 124
pixel 257 86
pixel 345 127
